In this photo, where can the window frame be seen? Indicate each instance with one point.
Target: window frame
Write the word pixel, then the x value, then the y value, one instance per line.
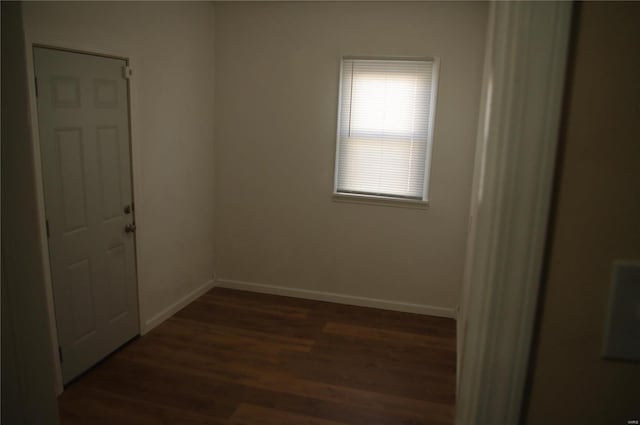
pixel 373 199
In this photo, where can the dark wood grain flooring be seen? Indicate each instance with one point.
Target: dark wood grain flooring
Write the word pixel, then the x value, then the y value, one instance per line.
pixel 241 358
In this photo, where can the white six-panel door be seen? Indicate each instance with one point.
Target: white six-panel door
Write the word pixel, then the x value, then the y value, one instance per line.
pixel 83 122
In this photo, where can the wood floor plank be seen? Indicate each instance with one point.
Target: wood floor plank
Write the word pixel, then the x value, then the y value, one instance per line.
pixel 86 405
pixel 405 338
pixel 234 357
pixel 164 387
pixel 190 330
pixel 402 383
pixel 385 319
pixel 254 321
pixel 248 414
pixel 431 360
pixel 402 409
pixel 272 308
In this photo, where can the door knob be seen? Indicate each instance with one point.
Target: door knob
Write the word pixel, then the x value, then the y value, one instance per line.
pixel 130 228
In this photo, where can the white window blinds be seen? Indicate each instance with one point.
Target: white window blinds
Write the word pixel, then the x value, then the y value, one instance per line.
pixel 384 127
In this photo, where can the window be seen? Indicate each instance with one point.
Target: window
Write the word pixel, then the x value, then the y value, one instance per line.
pixel 385 127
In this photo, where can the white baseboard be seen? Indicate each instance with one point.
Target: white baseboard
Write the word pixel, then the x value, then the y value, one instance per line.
pixel 177 306
pixel 337 298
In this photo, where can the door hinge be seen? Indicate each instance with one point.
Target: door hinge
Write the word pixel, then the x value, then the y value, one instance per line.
pixel 127 72
pixel 46 222
pixel 36 82
pixel 60 353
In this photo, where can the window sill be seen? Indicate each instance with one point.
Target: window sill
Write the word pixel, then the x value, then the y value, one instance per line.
pixel 380 201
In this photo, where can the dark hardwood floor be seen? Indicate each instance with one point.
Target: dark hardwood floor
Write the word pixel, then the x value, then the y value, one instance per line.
pixel 243 358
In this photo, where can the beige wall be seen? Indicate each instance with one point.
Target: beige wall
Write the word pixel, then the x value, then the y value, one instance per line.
pixel 171 45
pixel 276 84
pixel 28 381
pixel 596 222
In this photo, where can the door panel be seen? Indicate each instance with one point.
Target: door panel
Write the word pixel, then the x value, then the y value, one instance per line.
pixel 116 275
pixel 109 162
pixel 84 136
pixel 71 164
pixel 82 308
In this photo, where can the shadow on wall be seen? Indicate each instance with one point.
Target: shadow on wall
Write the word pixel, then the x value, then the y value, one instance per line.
pixel 27 369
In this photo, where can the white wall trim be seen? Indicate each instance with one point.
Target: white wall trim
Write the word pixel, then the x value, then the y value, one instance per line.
pixel 337 298
pixel 177 306
pixel 517 139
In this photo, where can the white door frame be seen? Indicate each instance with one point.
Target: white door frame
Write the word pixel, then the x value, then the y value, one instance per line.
pixel 527 47
pixel 30 44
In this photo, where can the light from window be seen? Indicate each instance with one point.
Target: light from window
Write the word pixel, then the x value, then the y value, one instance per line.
pixel 385 126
